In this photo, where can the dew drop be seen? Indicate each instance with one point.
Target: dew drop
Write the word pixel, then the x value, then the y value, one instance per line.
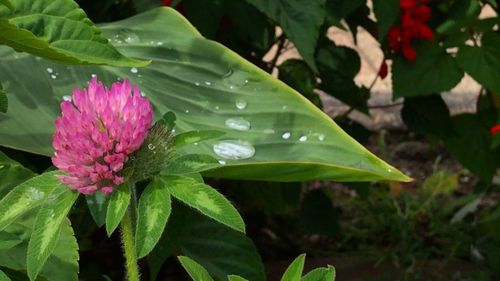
pixel 129 36
pixel 208 83
pixel 239 124
pixel 143 94
pixel 66 98
pixel 286 135
pixel 217 107
pixel 321 137
pixel 241 104
pixel 222 162
pixel 303 138
pixel 187 110
pixel 197 84
pixel 151 146
pixel 234 149
pixel 134 70
pixel 53 76
pixel 234 80
pixel 50 70
pixel 93 75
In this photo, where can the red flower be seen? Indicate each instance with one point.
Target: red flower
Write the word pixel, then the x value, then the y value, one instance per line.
pixel 495 129
pixel 413 18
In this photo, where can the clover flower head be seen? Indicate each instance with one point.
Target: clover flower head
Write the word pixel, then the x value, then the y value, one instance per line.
pixel 97 131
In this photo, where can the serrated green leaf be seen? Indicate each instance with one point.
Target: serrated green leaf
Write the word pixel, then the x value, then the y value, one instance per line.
pixel 220 249
pixel 300 20
pixel 117 206
pixel 194 269
pixel 61 265
pixel 98 206
pixel 154 210
pixel 235 278
pixel 193 137
pixel 190 163
pixel 201 81
pixel 294 270
pixel 3 276
pixel 432 71
pixel 205 199
pixel 47 227
pixel 58 30
pixel 483 63
pixel 27 196
pixel 320 274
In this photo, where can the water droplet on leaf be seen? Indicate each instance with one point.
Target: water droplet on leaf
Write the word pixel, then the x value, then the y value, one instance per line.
pixel 239 124
pixel 234 149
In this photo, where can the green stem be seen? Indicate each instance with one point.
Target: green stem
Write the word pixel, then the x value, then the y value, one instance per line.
pixel 128 241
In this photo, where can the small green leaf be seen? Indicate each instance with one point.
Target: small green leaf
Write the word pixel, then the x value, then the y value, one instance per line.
pixel 154 210
pixel 58 30
pixel 483 63
pixel 8 240
pixel 195 270
pixel 168 120
pixel 191 137
pixel 98 205
pixel 47 228
pixel 205 199
pixel 387 12
pixel 12 173
pixel 4 277
pixel 294 270
pixel 27 196
pixel 117 206
pixel 235 278
pixel 300 20
pixel 320 274
pixel 4 101
pixel 191 163
pixel 432 71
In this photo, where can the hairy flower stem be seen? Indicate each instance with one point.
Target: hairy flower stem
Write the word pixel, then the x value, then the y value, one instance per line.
pixel 127 231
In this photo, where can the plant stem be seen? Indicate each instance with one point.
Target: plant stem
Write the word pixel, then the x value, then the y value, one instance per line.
pixel 127 231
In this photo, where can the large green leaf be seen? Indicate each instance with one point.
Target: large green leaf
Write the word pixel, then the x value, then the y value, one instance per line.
pixel 27 196
pixel 46 229
pixel 205 199
pixel 154 210
pixel 205 84
pixel 300 20
pixel 4 101
pixel 221 250
pixel 58 30
pixel 432 71
pixel 62 265
pixel 483 63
